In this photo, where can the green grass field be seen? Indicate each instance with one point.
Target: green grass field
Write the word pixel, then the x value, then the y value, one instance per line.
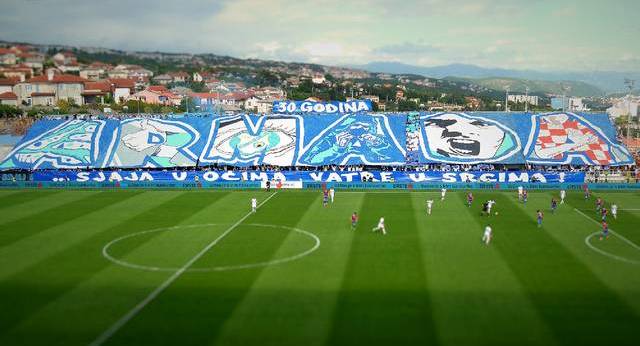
pixel 195 268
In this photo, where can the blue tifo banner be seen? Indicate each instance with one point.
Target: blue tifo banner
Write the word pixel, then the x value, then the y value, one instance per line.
pixel 332 107
pixel 311 176
pixel 313 140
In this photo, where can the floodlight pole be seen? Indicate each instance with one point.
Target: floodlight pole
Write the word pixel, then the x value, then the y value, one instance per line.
pixel 564 95
pixel 629 83
pixel 506 99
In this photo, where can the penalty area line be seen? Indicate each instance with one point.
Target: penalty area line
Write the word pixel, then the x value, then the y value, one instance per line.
pixel 140 306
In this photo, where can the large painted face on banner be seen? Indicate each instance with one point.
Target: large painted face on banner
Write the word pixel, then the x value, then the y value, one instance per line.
pixel 454 137
pixel 243 140
pixel 272 140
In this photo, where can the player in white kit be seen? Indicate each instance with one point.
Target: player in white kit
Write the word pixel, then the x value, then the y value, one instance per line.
pixel 490 204
pixel 520 192
pixel 429 205
pixel 442 193
pixel 563 194
pixel 332 193
pixel 614 210
pixel 486 238
pixel 254 205
pixel 380 227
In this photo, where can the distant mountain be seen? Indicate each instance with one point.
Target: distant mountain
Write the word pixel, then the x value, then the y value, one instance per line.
pixel 607 81
pixel 535 86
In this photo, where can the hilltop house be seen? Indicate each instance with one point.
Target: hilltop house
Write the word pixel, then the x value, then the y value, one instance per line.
pixel 46 90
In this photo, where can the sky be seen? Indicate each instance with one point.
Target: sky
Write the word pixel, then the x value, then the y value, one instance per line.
pixel 545 35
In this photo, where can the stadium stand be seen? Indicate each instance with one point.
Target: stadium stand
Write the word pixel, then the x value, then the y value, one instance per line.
pixel 327 142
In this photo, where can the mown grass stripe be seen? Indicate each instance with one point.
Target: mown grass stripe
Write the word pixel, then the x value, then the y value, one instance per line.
pixel 385 278
pixel 22 228
pixel 293 304
pixel 32 298
pixel 567 295
pixel 196 295
pixel 472 290
pixel 41 203
pixel 18 197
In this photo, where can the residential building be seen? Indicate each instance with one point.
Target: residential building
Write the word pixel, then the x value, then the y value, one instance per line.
pixel 122 88
pixel 179 77
pixel 318 78
pixel 8 98
pixel 622 107
pixel 156 96
pixel 372 98
pixel 259 105
pixel 73 67
pixel 129 71
pixel 163 79
pixel 34 60
pixel 50 88
pixel 530 99
pixel 207 100
pixel 7 84
pixel 20 72
pixel 571 104
pixel 94 71
pixel 203 76
pixel 270 92
pixel 7 57
pixel 64 58
pixel 96 92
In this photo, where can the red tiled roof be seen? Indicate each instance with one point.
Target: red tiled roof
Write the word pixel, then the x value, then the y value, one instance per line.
pixel 101 86
pixel 6 51
pixel 170 95
pixel 21 48
pixel 16 69
pixel 42 94
pixel 157 88
pixel 8 96
pixel 122 82
pixel 9 81
pixel 57 79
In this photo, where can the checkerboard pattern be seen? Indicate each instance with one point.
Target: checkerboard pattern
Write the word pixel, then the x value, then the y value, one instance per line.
pixel 554 134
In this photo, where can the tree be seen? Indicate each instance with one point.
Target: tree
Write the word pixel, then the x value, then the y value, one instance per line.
pixel 9 111
pixel 267 78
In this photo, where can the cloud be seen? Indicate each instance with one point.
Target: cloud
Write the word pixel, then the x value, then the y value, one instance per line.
pixel 484 32
pixel 407 48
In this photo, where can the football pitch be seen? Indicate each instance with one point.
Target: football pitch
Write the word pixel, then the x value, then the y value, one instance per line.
pixel 142 267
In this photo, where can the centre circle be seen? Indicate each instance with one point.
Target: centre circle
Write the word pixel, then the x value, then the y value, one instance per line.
pixel 110 257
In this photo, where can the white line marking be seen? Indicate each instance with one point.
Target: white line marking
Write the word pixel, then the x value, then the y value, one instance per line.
pixel 107 255
pixel 612 231
pixel 136 309
pixel 623 238
pixel 587 241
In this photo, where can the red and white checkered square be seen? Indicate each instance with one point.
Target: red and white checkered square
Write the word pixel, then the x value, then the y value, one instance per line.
pixel 553 134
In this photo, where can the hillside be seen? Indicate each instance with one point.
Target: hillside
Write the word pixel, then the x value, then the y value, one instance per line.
pixel 607 81
pixel 535 86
